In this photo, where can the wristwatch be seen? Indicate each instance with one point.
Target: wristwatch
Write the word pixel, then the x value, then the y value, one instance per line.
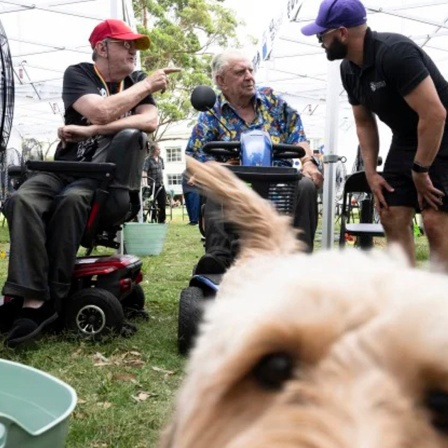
pixel 417 168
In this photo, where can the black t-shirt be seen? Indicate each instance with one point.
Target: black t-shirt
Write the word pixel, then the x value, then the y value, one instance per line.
pixel 79 80
pixel 393 66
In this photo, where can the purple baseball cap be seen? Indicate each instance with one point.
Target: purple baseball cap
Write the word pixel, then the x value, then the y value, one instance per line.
pixel 337 13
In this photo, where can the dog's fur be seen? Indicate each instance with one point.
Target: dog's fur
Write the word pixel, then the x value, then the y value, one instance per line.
pixel 367 336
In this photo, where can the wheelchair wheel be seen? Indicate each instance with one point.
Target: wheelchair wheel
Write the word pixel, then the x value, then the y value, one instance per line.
pixel 190 314
pixel 154 213
pixel 151 213
pixel 94 313
pixel 134 304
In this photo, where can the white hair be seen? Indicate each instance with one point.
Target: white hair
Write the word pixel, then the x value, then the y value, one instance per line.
pixel 222 60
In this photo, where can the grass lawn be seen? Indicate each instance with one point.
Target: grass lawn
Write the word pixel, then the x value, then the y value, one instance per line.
pixel 125 386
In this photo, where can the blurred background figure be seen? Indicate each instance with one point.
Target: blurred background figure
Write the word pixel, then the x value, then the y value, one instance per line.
pixel 154 166
pixel 192 199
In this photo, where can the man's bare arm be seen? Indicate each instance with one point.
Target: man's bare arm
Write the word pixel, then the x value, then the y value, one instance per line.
pixel 104 110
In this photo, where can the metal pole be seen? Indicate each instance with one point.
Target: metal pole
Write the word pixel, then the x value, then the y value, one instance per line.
pixel 330 156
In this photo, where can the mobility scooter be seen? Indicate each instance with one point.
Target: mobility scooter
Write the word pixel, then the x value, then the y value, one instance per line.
pixel 256 153
pixel 105 288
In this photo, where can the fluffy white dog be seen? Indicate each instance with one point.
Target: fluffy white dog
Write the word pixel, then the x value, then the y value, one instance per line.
pixel 330 350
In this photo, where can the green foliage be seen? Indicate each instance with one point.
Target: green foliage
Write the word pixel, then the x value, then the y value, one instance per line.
pixel 185 34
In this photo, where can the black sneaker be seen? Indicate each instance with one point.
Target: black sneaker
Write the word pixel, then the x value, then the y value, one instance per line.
pixel 29 324
pixel 210 264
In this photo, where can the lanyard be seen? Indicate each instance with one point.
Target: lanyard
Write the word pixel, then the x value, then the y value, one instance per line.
pixel 105 83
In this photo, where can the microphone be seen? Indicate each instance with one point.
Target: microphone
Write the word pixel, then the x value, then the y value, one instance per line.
pixel 203 98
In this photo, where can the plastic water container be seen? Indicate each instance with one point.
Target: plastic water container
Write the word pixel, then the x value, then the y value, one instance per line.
pixel 34 407
pixel 143 238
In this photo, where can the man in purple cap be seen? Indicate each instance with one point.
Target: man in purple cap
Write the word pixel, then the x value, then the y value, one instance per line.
pixel 389 76
pixel 47 215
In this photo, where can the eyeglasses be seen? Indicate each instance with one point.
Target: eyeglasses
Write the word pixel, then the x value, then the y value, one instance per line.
pixel 126 44
pixel 320 36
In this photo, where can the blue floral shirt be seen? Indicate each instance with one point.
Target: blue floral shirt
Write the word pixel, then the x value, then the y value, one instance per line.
pixel 273 115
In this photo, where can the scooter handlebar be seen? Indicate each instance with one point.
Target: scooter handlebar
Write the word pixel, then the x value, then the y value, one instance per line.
pixel 285 151
pixel 232 148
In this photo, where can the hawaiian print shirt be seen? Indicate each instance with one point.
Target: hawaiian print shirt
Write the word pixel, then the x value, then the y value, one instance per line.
pixel 273 115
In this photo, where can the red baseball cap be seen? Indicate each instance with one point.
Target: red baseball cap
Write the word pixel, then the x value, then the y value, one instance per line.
pixel 117 29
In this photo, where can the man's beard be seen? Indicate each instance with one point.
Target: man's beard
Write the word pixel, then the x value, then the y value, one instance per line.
pixel 337 50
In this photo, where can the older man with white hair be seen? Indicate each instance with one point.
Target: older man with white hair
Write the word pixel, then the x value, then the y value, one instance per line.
pixel 241 106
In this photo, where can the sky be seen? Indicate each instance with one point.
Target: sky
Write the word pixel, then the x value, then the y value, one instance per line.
pixel 256 18
pixel 250 11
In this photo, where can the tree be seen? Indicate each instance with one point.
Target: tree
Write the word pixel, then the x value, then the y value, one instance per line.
pixel 185 34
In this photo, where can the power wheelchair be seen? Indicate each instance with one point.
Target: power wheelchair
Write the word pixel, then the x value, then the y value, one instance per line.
pixel 105 289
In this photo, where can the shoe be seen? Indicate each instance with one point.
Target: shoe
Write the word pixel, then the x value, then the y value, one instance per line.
pixel 192 223
pixel 9 312
pixel 29 324
pixel 211 264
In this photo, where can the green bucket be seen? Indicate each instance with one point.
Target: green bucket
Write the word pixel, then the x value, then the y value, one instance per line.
pixel 144 238
pixel 34 407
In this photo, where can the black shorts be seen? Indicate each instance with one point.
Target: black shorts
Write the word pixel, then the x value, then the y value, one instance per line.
pixel 398 173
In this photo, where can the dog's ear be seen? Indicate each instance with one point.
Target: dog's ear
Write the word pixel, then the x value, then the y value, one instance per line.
pixel 261 228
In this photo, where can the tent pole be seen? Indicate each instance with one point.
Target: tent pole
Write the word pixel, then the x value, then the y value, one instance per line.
pixel 330 154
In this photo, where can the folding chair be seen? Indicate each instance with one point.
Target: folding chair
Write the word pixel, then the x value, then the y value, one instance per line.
pixel 357 216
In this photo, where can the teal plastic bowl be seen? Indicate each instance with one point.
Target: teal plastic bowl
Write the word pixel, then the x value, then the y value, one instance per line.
pixel 34 407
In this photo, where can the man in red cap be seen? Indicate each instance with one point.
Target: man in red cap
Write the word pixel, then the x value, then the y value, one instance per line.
pixel 47 215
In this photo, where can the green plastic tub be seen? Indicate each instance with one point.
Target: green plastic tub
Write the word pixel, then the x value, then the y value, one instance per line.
pixel 34 407
pixel 144 238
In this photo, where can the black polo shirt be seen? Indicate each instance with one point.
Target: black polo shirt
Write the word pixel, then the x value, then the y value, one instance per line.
pixel 79 80
pixel 393 66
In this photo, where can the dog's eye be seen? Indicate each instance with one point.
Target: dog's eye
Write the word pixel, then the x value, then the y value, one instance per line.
pixel 273 370
pixel 437 402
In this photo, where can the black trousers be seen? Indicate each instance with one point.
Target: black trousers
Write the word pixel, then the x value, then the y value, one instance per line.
pixel 161 203
pixel 46 217
pixel 222 241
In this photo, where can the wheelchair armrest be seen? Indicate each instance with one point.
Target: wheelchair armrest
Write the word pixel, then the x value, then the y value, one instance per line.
pixel 78 169
pixel 15 170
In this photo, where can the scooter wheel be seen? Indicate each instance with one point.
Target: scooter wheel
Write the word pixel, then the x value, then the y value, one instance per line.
pixel 94 313
pixel 134 304
pixel 190 315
